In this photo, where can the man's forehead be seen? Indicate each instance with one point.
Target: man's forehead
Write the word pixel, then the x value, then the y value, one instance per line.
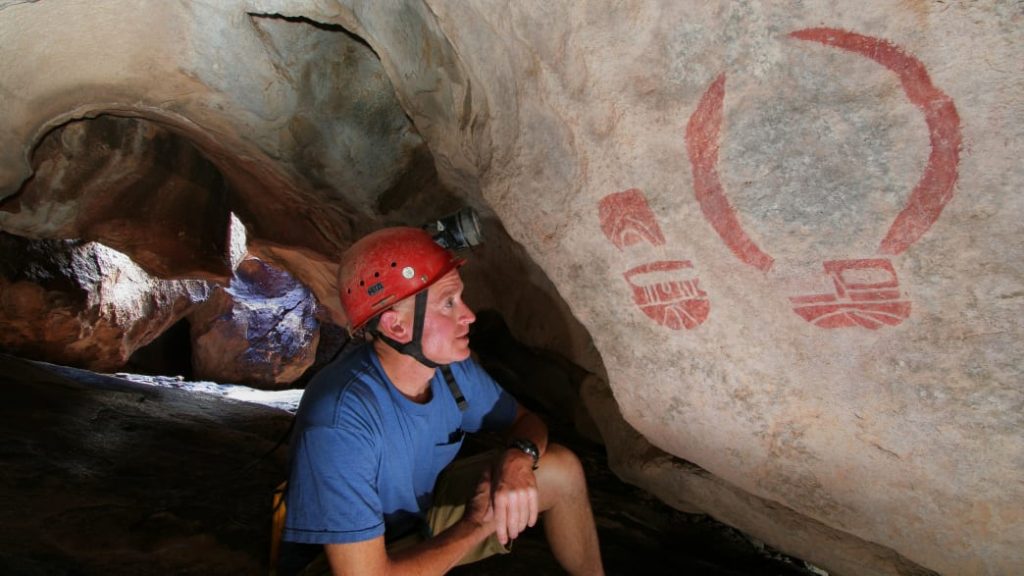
pixel 449 283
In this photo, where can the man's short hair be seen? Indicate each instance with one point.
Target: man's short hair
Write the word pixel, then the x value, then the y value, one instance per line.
pixel 370 328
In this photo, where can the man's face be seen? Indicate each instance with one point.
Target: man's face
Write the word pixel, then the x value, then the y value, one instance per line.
pixel 446 323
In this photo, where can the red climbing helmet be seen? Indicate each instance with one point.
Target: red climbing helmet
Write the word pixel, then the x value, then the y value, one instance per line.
pixel 386 267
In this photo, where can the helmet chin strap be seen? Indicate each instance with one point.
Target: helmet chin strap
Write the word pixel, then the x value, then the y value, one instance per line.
pixel 414 347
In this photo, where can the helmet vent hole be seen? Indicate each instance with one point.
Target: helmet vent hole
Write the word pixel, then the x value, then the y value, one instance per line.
pixel 376 274
pixel 393 264
pixel 361 283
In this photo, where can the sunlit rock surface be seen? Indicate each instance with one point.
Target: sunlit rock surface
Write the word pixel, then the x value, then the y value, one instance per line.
pixel 83 304
pixel 788 234
pixel 261 330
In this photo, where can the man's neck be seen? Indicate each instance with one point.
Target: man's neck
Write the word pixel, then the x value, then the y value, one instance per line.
pixel 411 378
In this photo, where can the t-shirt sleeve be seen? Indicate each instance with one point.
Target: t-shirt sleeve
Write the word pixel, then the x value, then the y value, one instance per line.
pixel 490 406
pixel 332 493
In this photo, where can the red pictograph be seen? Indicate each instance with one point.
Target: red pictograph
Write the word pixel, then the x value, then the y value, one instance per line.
pixel 868 305
pixel 626 219
pixel 703 133
pixel 667 295
pixel 935 188
pixel 866 294
pixel 666 290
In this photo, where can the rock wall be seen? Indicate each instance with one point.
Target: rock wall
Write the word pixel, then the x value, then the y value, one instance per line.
pixel 297 117
pixel 792 230
pixel 793 233
pixel 134 186
pixel 83 304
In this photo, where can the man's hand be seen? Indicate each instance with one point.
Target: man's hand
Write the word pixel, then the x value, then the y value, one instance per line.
pixel 435 555
pixel 479 510
pixel 514 494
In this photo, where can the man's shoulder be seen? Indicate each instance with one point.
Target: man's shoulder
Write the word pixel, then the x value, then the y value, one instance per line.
pixel 352 364
pixel 351 383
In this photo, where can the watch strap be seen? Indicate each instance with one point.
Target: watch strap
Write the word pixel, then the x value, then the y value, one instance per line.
pixel 527 447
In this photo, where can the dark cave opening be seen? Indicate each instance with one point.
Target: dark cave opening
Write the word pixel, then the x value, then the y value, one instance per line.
pixel 169 354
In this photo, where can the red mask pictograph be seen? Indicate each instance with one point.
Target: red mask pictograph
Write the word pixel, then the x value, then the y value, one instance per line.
pixel 667 291
pixel 668 295
pixel 626 219
pixel 866 294
pixel 869 305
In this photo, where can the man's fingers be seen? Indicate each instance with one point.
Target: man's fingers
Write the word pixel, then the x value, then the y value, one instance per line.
pixel 513 512
pixel 515 500
pixel 523 511
pixel 501 519
pixel 514 515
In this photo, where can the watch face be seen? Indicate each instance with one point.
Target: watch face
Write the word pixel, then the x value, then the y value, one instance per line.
pixel 528 447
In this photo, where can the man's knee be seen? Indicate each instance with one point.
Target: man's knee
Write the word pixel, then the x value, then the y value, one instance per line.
pixel 560 473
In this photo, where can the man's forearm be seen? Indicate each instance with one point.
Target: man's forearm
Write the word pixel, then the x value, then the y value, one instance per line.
pixel 515 499
pixel 436 555
pixel 529 426
pixel 441 553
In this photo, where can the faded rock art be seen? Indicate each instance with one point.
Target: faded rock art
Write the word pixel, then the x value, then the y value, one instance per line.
pixel 667 291
pixel 935 188
pixel 626 219
pixel 702 142
pixel 866 294
pixel 866 290
pixel 664 293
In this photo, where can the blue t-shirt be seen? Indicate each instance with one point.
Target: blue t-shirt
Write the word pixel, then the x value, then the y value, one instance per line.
pixel 364 458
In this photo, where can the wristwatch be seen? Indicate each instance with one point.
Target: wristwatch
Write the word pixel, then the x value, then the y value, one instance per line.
pixel 528 447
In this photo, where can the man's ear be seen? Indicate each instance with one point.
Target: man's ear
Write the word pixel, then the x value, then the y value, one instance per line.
pixel 392 324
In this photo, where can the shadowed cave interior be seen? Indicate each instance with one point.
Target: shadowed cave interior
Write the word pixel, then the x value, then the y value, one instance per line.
pixel 104 474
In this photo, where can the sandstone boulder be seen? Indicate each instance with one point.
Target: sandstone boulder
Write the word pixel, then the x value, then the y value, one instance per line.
pixel 261 330
pixel 83 304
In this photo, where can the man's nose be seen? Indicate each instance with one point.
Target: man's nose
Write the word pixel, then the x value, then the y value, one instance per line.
pixel 466 316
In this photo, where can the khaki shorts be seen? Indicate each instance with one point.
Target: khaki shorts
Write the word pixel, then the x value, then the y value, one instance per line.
pixel 455 486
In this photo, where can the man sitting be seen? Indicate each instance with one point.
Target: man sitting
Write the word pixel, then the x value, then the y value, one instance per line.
pixel 372 477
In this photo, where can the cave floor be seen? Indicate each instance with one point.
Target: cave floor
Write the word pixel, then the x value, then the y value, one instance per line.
pixel 100 475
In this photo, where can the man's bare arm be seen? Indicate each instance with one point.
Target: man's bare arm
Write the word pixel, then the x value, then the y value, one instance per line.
pixel 436 555
pixel 529 426
pixel 515 498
